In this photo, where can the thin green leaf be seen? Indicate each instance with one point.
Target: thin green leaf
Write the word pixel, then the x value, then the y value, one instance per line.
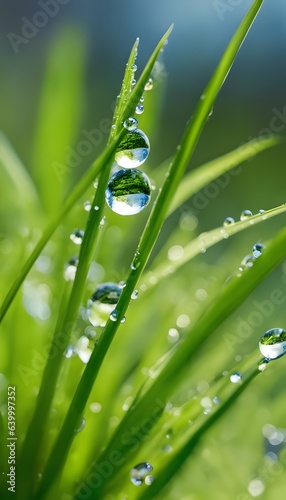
pixel 203 175
pixel 18 174
pixel 205 241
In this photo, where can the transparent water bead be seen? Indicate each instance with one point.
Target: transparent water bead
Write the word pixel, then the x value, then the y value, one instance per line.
pixel 257 249
pixel 70 269
pixel 235 378
pixel 228 221
pixel 87 206
pixel 133 149
pixel 245 214
pixel 139 109
pixel 81 426
pixel 262 364
pixel 272 344
pixel 102 303
pixel 114 316
pixel 149 85
pixel 139 473
pixel 134 295
pixel 130 124
pixel 128 192
pixel 77 236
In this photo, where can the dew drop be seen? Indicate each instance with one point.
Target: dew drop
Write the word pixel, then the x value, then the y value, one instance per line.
pixel 77 236
pixel 262 364
pixel 130 124
pixel 133 149
pixel 228 221
pixel 235 378
pixel 216 400
pixel 149 85
pixel 123 320
pixel 81 426
pixel 134 67
pixel 139 109
pixel 114 315
pixel 245 214
pixel 102 303
pixel 136 261
pixel 133 83
pixel 261 211
pixel 96 208
pixel 142 98
pixel 257 249
pixel 139 473
pixel 128 192
pixel 149 480
pixel 272 344
pixel 70 269
pixel 134 295
pixel 70 352
pixel 87 206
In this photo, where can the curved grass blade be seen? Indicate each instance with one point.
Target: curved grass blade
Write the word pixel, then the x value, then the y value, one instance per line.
pixel 205 241
pixel 146 407
pixel 166 474
pixel 16 171
pixel 201 176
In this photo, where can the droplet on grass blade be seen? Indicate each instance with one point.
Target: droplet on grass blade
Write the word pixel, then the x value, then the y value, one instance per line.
pixel 272 344
pixel 245 214
pixel 139 109
pixel 139 473
pixel 149 85
pixel 257 249
pixel 133 149
pixel 228 221
pixel 235 378
pixel 77 236
pixel 102 303
pixel 130 124
pixel 128 192
pixel 70 269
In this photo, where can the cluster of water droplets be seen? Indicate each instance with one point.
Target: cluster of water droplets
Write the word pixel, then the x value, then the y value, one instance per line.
pixel 245 214
pixel 129 189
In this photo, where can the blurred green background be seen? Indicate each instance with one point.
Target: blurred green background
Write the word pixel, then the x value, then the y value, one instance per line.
pixel 61 84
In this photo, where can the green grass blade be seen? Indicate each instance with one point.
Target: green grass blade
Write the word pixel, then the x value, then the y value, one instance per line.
pixel 85 257
pixel 205 241
pixel 230 297
pixel 166 474
pixel 18 174
pixel 201 176
pixel 59 113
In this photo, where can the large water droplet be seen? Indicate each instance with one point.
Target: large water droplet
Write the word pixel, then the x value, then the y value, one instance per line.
pixel 77 236
pixel 149 85
pixel 257 249
pixel 130 124
pixel 235 378
pixel 272 344
pixel 245 214
pixel 139 473
pixel 228 221
pixel 133 149
pixel 102 303
pixel 128 192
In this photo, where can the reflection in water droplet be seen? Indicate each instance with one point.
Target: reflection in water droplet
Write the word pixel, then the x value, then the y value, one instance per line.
pixel 133 149
pixel 131 124
pixel 102 303
pixel 134 295
pixel 257 249
pixel 245 214
pixel 77 236
pixel 228 221
pixel 128 192
pixel 235 378
pixel 272 344
pixel 139 473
